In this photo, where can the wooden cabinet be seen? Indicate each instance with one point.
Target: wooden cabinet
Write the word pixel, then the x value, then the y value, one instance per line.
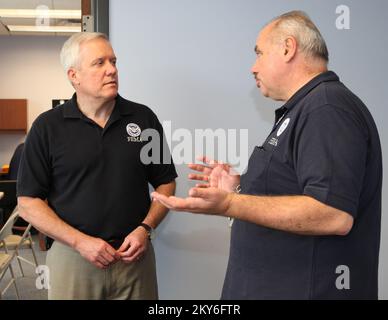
pixel 13 115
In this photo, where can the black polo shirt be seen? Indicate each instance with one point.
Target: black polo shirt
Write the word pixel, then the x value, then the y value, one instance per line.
pixel 325 145
pixel 93 178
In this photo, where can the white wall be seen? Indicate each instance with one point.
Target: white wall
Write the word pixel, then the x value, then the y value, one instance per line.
pixel 30 69
pixel 190 62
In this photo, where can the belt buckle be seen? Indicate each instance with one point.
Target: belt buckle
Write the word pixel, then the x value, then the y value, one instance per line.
pixel 116 243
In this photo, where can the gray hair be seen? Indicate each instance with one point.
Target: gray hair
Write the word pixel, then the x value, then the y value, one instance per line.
pixel 299 25
pixel 70 50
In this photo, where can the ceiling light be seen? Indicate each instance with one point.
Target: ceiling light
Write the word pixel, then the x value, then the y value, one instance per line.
pixel 14 28
pixel 39 13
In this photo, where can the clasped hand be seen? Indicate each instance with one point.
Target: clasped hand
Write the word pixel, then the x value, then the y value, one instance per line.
pixel 102 254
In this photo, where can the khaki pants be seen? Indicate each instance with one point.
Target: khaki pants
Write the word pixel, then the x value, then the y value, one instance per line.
pixel 73 278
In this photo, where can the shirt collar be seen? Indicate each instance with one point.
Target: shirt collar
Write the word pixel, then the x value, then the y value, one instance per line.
pixel 302 92
pixel 71 110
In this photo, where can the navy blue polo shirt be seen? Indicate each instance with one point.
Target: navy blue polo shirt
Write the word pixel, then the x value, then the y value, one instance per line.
pixel 325 145
pixel 93 177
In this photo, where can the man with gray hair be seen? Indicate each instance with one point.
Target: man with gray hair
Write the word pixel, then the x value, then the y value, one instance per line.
pixel 308 209
pixel 82 182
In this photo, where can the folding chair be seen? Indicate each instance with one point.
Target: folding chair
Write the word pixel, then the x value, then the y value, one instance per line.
pixel 11 241
pixel 5 264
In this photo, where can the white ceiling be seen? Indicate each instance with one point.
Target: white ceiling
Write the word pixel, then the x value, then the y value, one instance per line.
pixel 33 4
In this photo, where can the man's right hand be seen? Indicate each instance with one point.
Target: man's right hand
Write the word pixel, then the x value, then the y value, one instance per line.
pixel 37 212
pixel 215 174
pixel 97 252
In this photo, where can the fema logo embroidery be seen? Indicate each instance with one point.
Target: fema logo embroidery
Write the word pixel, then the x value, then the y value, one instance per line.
pixel 283 127
pixel 134 132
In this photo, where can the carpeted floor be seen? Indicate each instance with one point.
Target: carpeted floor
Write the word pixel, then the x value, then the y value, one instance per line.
pixel 27 285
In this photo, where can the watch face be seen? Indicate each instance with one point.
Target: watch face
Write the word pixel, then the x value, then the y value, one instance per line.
pixel 152 234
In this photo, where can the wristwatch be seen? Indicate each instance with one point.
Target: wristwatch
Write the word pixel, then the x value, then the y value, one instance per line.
pixel 149 229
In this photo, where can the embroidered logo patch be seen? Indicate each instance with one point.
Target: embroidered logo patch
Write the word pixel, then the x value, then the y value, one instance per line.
pixel 133 130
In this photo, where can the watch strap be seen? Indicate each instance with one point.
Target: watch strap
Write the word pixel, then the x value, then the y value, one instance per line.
pixel 148 228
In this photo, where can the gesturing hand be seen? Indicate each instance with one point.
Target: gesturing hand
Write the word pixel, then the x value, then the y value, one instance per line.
pixel 207 200
pixel 215 174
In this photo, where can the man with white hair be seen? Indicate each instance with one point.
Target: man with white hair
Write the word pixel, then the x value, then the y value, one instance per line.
pixel 83 157
pixel 308 209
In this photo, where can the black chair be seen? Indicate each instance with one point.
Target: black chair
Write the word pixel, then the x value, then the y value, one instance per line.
pixel 15 162
pixel 9 201
pixel 12 175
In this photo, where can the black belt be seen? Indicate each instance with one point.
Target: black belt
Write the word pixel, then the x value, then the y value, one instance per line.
pixel 116 243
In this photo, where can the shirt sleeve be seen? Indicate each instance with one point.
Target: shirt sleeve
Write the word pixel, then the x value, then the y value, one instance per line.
pixel 330 157
pixel 34 171
pixel 162 170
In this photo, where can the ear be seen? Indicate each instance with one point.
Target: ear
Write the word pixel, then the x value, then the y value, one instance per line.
pixel 289 49
pixel 73 76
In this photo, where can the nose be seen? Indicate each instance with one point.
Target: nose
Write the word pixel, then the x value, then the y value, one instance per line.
pixel 254 68
pixel 111 69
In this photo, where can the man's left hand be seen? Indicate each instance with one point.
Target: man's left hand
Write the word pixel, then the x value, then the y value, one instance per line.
pixel 201 200
pixel 134 245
